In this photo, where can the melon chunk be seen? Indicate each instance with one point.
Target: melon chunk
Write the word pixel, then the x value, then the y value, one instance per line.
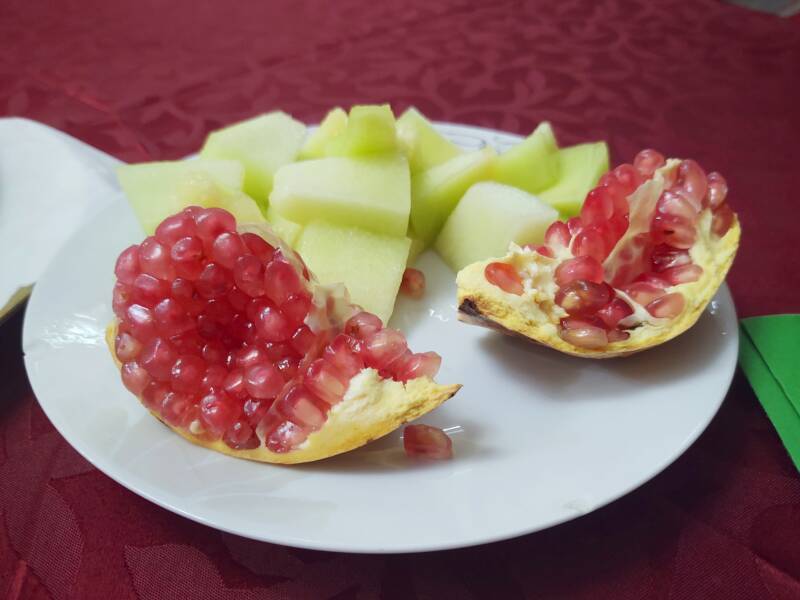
pixel 488 218
pixel 370 130
pixel 287 230
pixel 157 190
pixel 373 193
pixel 332 125
pixel 532 165
pixel 435 192
pixel 581 167
pixel 370 265
pixel 423 145
pixel 262 144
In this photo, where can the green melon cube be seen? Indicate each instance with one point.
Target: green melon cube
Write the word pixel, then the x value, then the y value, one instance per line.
pixel 370 130
pixel 287 230
pixel 334 123
pixel 581 167
pixel 487 219
pixel 373 192
pixel 370 265
pixel 435 192
pixel 262 144
pixel 423 145
pixel 532 165
pixel 157 190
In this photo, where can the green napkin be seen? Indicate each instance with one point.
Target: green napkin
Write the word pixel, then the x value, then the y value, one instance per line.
pixel 769 354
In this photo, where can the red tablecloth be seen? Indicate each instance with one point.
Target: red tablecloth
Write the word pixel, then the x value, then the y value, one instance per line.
pixel 147 79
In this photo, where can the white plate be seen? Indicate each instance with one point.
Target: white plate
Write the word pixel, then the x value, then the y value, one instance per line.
pixel 539 437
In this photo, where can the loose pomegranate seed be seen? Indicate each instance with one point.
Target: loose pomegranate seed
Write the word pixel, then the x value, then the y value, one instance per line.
pixel 363 325
pixel 127 267
pixel 134 377
pixel 717 190
pixel 424 364
pixel 187 374
pixel 215 281
pixel 171 318
pixel 139 319
pixel 211 222
pixel 157 357
pixel 613 312
pixel 583 297
pixel 281 280
pixel 272 325
pixel 413 283
pixel 505 277
pixel 557 235
pixel 126 347
pixel 153 395
pixel 217 413
pixel 148 290
pixel 240 436
pixel 667 307
pixel 154 259
pixel 382 347
pixel 325 382
pixel 426 442
pixel 258 247
pixel 583 267
pixel 643 293
pixel 722 220
pixel 648 161
pixel 263 381
pixel 302 407
pixel 285 437
pixel 187 257
pixel 173 228
pixel 175 408
pixel 581 334
pixel 682 274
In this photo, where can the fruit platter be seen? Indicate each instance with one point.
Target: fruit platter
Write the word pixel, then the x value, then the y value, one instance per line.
pixel 384 334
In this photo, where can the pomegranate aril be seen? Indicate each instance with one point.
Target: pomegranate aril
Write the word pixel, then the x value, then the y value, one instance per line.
pixel 227 248
pixel 175 408
pixel 140 321
pixel 722 220
pixel 628 178
pixel 413 283
pixel 574 225
pixel 187 374
pixel 258 246
pixel 263 381
pixel 382 347
pixel 157 357
pixel 583 297
pixel 217 413
pixel 281 280
pixel 296 307
pixel 214 281
pixel 505 277
pixel 234 384
pixel 665 257
pixel 214 352
pixel 187 257
pixel 188 343
pixel 717 190
pixel 673 230
pixel 241 436
pixel 302 407
pixel 557 235
pixel 211 222
pixel 613 312
pixel 616 335
pixel 668 306
pixel 653 279
pixel 598 206
pixel 276 351
pixel 677 204
pixel 249 356
pixel 126 347
pixel 424 364
pixel 248 273
pixel 682 274
pixel 285 437
pixel 582 267
pixel 343 354
pixel 647 161
pixel 134 377
pixel 254 410
pixel 583 335
pixel 272 325
pixel 208 328
pixel 171 318
pixel 594 241
pixel 220 311
pixel 692 181
pixel 153 395
pixel 543 250
pixel 643 293
pixel 127 266
pixel 175 227
pixel 214 377
pixel 324 381
pixel 121 298
pixel 363 325
pixel 426 442
pixel 238 299
pixel 288 367
pixel 182 290
pixel 154 259
pixel 302 340
pixel 148 290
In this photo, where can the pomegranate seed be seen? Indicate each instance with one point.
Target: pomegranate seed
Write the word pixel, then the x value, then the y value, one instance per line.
pixel 134 377
pixel 648 161
pixel 653 279
pixel 413 283
pixel 120 299
pixel 277 351
pixel 262 381
pixel 615 335
pixel 188 343
pixel 214 352
pixel 227 248
pixel 157 358
pixel 148 290
pixel 598 206
pixel 583 297
pixel 173 228
pixel 220 311
pixel 722 220
pixel 629 178
pixel 677 204
pixel 187 257
pixel 182 290
pixel 288 367
pixel 673 230
pixel 583 267
pixel 382 347
pixel 217 413
pixel 153 395
pixel 667 307
pixel 324 381
pixel 643 293
pixel 238 300
pixel 254 410
pixel 154 259
pixel 574 225
pixel 248 273
pixel 211 222
pixel 363 325
pixel 425 364
pixel 302 340
pixel 682 274
pixel 543 250
pixel 171 319
pixel 234 384
pixel 664 257
pixel 296 307
pixel 126 347
pixel 593 241
pixel 505 277
pixel 579 333
pixel 141 322
pixel 717 190
pixel 187 374
pixel 285 437
pixel 557 235
pixel 613 312
pixel 240 436
pixel 426 442
pixel 302 407
pixel 258 246
pixel 127 267
pixel 175 408
pixel 343 354
pixel 692 181
pixel 249 356
pixel 214 377
pixel 214 281
pixel 272 326
pixel 281 280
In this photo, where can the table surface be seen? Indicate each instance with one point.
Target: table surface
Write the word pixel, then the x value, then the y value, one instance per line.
pixel 147 80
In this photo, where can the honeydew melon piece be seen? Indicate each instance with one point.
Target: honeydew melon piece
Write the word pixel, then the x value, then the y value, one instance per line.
pixel 332 125
pixel 370 265
pixel 488 218
pixel 287 230
pixel 581 167
pixel 435 192
pixel 423 145
pixel 157 190
pixel 532 165
pixel 370 130
pixel 370 192
pixel 262 144
pixel 417 248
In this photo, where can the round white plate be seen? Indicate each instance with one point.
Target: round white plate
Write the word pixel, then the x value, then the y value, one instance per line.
pixel 539 437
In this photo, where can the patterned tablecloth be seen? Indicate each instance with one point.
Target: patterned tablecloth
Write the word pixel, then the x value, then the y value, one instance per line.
pixel 148 79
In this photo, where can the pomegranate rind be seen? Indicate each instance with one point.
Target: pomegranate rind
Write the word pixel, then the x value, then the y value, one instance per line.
pixel 535 316
pixel 371 408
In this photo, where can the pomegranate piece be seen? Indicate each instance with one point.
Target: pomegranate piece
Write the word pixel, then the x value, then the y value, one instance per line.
pixel 426 442
pixel 211 222
pixel 505 277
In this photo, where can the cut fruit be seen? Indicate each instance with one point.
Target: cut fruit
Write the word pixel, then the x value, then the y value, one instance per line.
pixel 370 130
pixel 369 265
pixel 487 219
pixel 653 243
pixel 532 165
pixel 332 125
pixel 426 442
pixel 262 144
pixel 287 230
pixel 581 167
pixel 417 247
pixel 435 192
pixel 158 189
pixel 258 361
pixel 372 193
pixel 422 144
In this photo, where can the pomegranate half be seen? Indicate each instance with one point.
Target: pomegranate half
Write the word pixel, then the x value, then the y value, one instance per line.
pixel 224 335
pixel 652 244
